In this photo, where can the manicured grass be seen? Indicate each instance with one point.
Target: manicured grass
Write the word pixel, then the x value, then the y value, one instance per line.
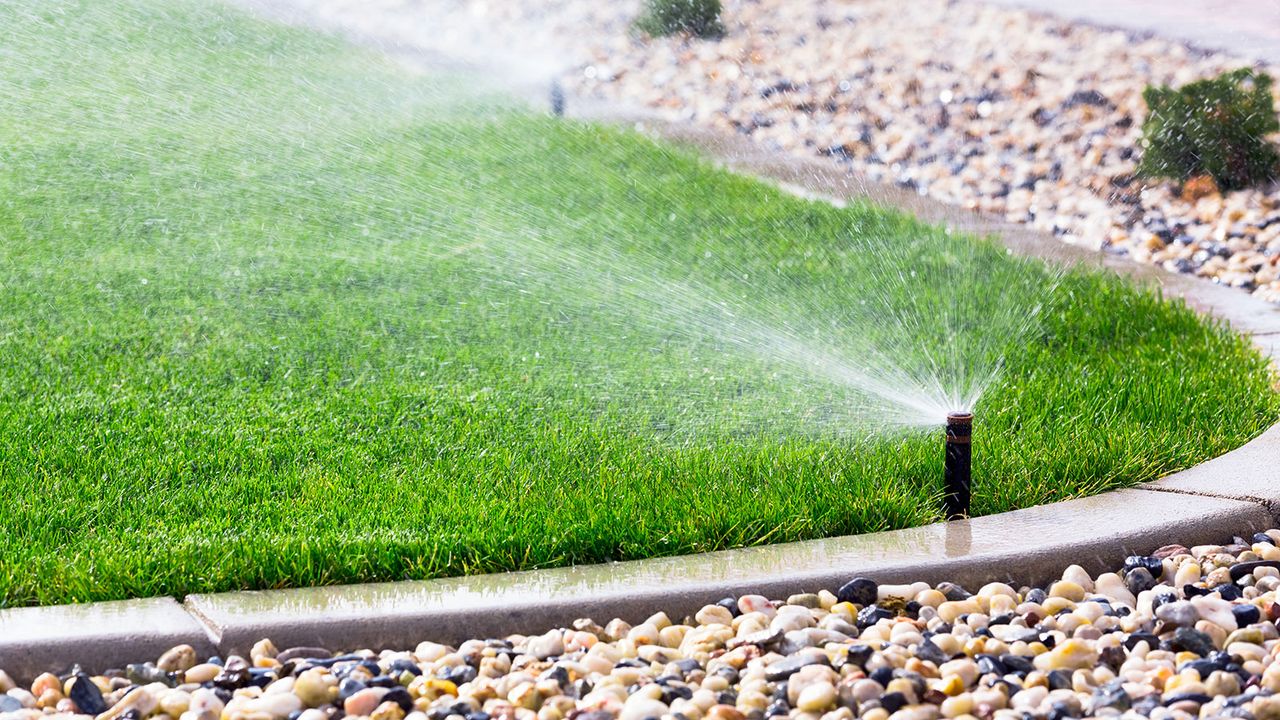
pixel 274 312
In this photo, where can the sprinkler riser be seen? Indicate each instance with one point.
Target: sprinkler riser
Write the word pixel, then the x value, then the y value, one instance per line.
pixel 957 466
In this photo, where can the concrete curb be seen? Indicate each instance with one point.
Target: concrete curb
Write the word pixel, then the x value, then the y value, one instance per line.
pixel 1024 546
pixel 1236 493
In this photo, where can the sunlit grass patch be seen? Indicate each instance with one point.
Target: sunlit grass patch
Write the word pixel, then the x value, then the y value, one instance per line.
pixel 275 312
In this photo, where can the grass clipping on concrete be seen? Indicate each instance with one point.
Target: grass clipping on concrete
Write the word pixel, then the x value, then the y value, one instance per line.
pixel 258 331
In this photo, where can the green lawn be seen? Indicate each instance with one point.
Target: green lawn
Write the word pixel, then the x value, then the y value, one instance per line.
pixel 274 312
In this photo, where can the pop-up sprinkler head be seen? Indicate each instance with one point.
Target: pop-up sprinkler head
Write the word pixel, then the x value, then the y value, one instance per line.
pixel 557 99
pixel 956 468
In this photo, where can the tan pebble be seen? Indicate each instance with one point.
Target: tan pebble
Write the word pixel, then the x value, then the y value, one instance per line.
pixel 643 634
pixel 1054 605
pixel 756 603
pixel 6 682
pixel 1188 573
pixel 659 620
pixel 1214 631
pixel 312 687
pixel 44 683
pixel 388 711
pixel 175 702
pixel 1068 655
pixel 205 700
pixel 1222 683
pixel 1079 576
pixel 714 614
pixel 817 697
pixel 365 701
pixel 140 699
pixel 954 707
pixel 930 598
pixel 202 673
pixel 840 713
pixel 177 658
pixel 48 700
pixel 749 700
pixel 953 609
pixel 263 650
pixel 639 707
pixel 1067 590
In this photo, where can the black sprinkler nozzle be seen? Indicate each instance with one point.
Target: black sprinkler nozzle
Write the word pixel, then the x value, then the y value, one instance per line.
pixel 557 99
pixel 956 468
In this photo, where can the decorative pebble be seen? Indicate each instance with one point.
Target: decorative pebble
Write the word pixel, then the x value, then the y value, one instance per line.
pixel 177 659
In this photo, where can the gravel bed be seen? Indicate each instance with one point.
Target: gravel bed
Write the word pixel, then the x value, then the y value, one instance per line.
pixel 1182 633
pixel 1020 115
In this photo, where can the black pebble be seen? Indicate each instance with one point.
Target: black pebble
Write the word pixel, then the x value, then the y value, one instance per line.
pixel 1154 565
pixel 1037 596
pixel 954 592
pixel 86 696
pixel 1139 579
pixel 400 665
pixel 929 652
pixel 872 614
pixel 731 605
pixel 893 702
pixel 674 692
pixel 686 666
pixel 581 687
pixel 1202 666
pixel 1017 663
pixel 1246 614
pixel 347 688
pixel 1192 641
pixel 728 673
pixel 231 679
pixel 557 674
pixel 882 675
pixel 1059 680
pixel 988 664
pixel 1263 538
pixel 776 708
pixel 1198 698
pixel 400 696
pixel 1229 591
pixel 859 654
pixel 1163 598
pixel 1112 695
pixel 1060 711
pixel 859 591
pixel 1189 591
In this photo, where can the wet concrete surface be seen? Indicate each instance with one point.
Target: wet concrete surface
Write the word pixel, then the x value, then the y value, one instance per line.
pixel 97 635
pixel 1025 546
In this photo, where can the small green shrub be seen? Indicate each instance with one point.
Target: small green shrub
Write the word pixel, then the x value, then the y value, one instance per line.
pixel 700 18
pixel 1217 126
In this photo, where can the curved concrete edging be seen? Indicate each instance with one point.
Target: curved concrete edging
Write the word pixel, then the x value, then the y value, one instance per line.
pixel 1238 492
